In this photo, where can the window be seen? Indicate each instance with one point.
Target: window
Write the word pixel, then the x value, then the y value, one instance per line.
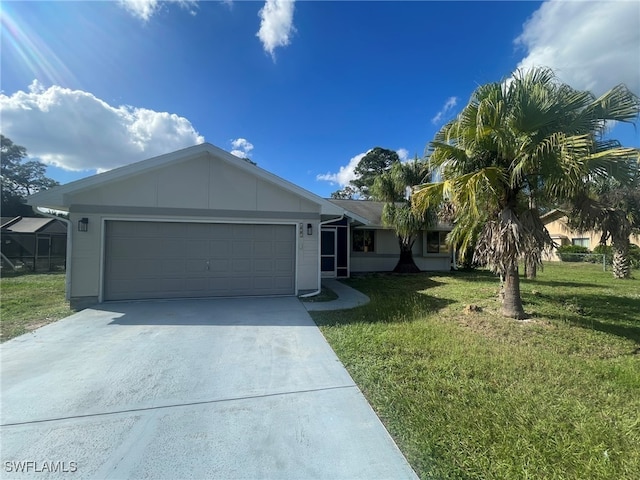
pixel 437 242
pixel 583 242
pixel 364 241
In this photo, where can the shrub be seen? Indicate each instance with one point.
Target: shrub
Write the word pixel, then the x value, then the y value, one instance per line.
pixel 598 252
pixel 567 253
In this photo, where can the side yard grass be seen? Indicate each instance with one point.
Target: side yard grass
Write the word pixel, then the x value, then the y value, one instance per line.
pixel 29 301
pixel 468 394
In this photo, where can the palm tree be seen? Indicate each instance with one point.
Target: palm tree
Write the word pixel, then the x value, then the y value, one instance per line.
pixel 609 207
pixel 531 135
pixel 393 188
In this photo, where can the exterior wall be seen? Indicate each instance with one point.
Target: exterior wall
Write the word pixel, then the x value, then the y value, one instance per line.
pixel 199 190
pixel 387 252
pixel 202 183
pixel 563 235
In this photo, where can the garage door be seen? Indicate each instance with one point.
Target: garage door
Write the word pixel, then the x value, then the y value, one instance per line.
pixel 165 260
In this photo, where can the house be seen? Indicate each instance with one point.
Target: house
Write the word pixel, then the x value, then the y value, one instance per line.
pixel 38 244
pixel 556 223
pixel 201 222
pixel 369 246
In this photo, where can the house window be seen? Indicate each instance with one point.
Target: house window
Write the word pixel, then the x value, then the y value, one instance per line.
pixel 364 241
pixel 583 242
pixel 437 242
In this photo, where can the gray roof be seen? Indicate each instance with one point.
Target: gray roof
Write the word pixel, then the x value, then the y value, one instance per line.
pixel 7 220
pixel 368 209
pixel 372 212
pixel 33 225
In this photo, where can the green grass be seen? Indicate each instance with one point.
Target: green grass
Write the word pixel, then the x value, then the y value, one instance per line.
pixel 472 395
pixel 30 301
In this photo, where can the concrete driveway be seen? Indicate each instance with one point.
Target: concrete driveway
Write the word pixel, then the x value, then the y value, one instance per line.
pixel 216 388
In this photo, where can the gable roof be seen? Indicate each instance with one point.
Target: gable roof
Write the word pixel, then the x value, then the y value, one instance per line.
pixel 56 198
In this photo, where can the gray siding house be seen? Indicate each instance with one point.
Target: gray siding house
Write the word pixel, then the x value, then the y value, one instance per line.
pixel 192 223
pixel 201 222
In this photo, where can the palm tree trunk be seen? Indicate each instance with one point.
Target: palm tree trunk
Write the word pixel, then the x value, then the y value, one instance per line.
pixel 406 264
pixel 530 268
pixel 621 266
pixel 511 301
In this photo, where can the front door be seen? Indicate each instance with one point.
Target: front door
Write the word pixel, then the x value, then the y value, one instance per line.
pixel 328 252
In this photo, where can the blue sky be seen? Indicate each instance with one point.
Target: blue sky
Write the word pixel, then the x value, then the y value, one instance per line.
pixel 304 89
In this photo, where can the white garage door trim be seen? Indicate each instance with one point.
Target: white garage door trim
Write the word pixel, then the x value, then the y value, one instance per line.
pixel 103 248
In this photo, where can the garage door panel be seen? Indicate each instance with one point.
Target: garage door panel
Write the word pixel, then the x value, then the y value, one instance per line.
pixel 196 265
pixel 219 266
pixel 197 284
pixel 173 266
pixel 220 247
pixel 282 282
pixel 283 265
pixel 165 259
pixel 151 248
pixel 242 248
pixel 238 283
pixel 240 266
pixel 167 284
pixel 197 248
pixel 263 265
pixel 263 249
pixel 150 266
pixel 281 249
pixel 174 247
pixel 244 230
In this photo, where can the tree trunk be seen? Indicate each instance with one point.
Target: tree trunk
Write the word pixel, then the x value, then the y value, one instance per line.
pixel 621 266
pixel 530 268
pixel 511 302
pixel 405 262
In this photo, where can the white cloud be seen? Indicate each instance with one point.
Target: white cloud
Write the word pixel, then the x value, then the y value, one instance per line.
pixel 241 147
pixel 276 24
pixel 276 18
pixel 145 9
pixel 345 174
pixel 75 130
pixel 403 153
pixel 446 108
pixel 590 45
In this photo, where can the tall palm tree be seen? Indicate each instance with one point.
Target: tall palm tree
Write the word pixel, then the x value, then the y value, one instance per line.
pixel 529 135
pixel 394 188
pixel 613 209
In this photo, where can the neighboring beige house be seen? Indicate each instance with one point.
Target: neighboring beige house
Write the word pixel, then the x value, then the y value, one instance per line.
pixel 556 223
pixel 201 222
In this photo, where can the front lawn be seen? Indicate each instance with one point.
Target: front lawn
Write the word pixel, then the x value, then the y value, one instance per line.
pixel 30 301
pixel 468 394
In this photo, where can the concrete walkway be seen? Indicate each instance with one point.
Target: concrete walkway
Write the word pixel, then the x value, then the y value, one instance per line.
pixel 204 389
pixel 347 297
